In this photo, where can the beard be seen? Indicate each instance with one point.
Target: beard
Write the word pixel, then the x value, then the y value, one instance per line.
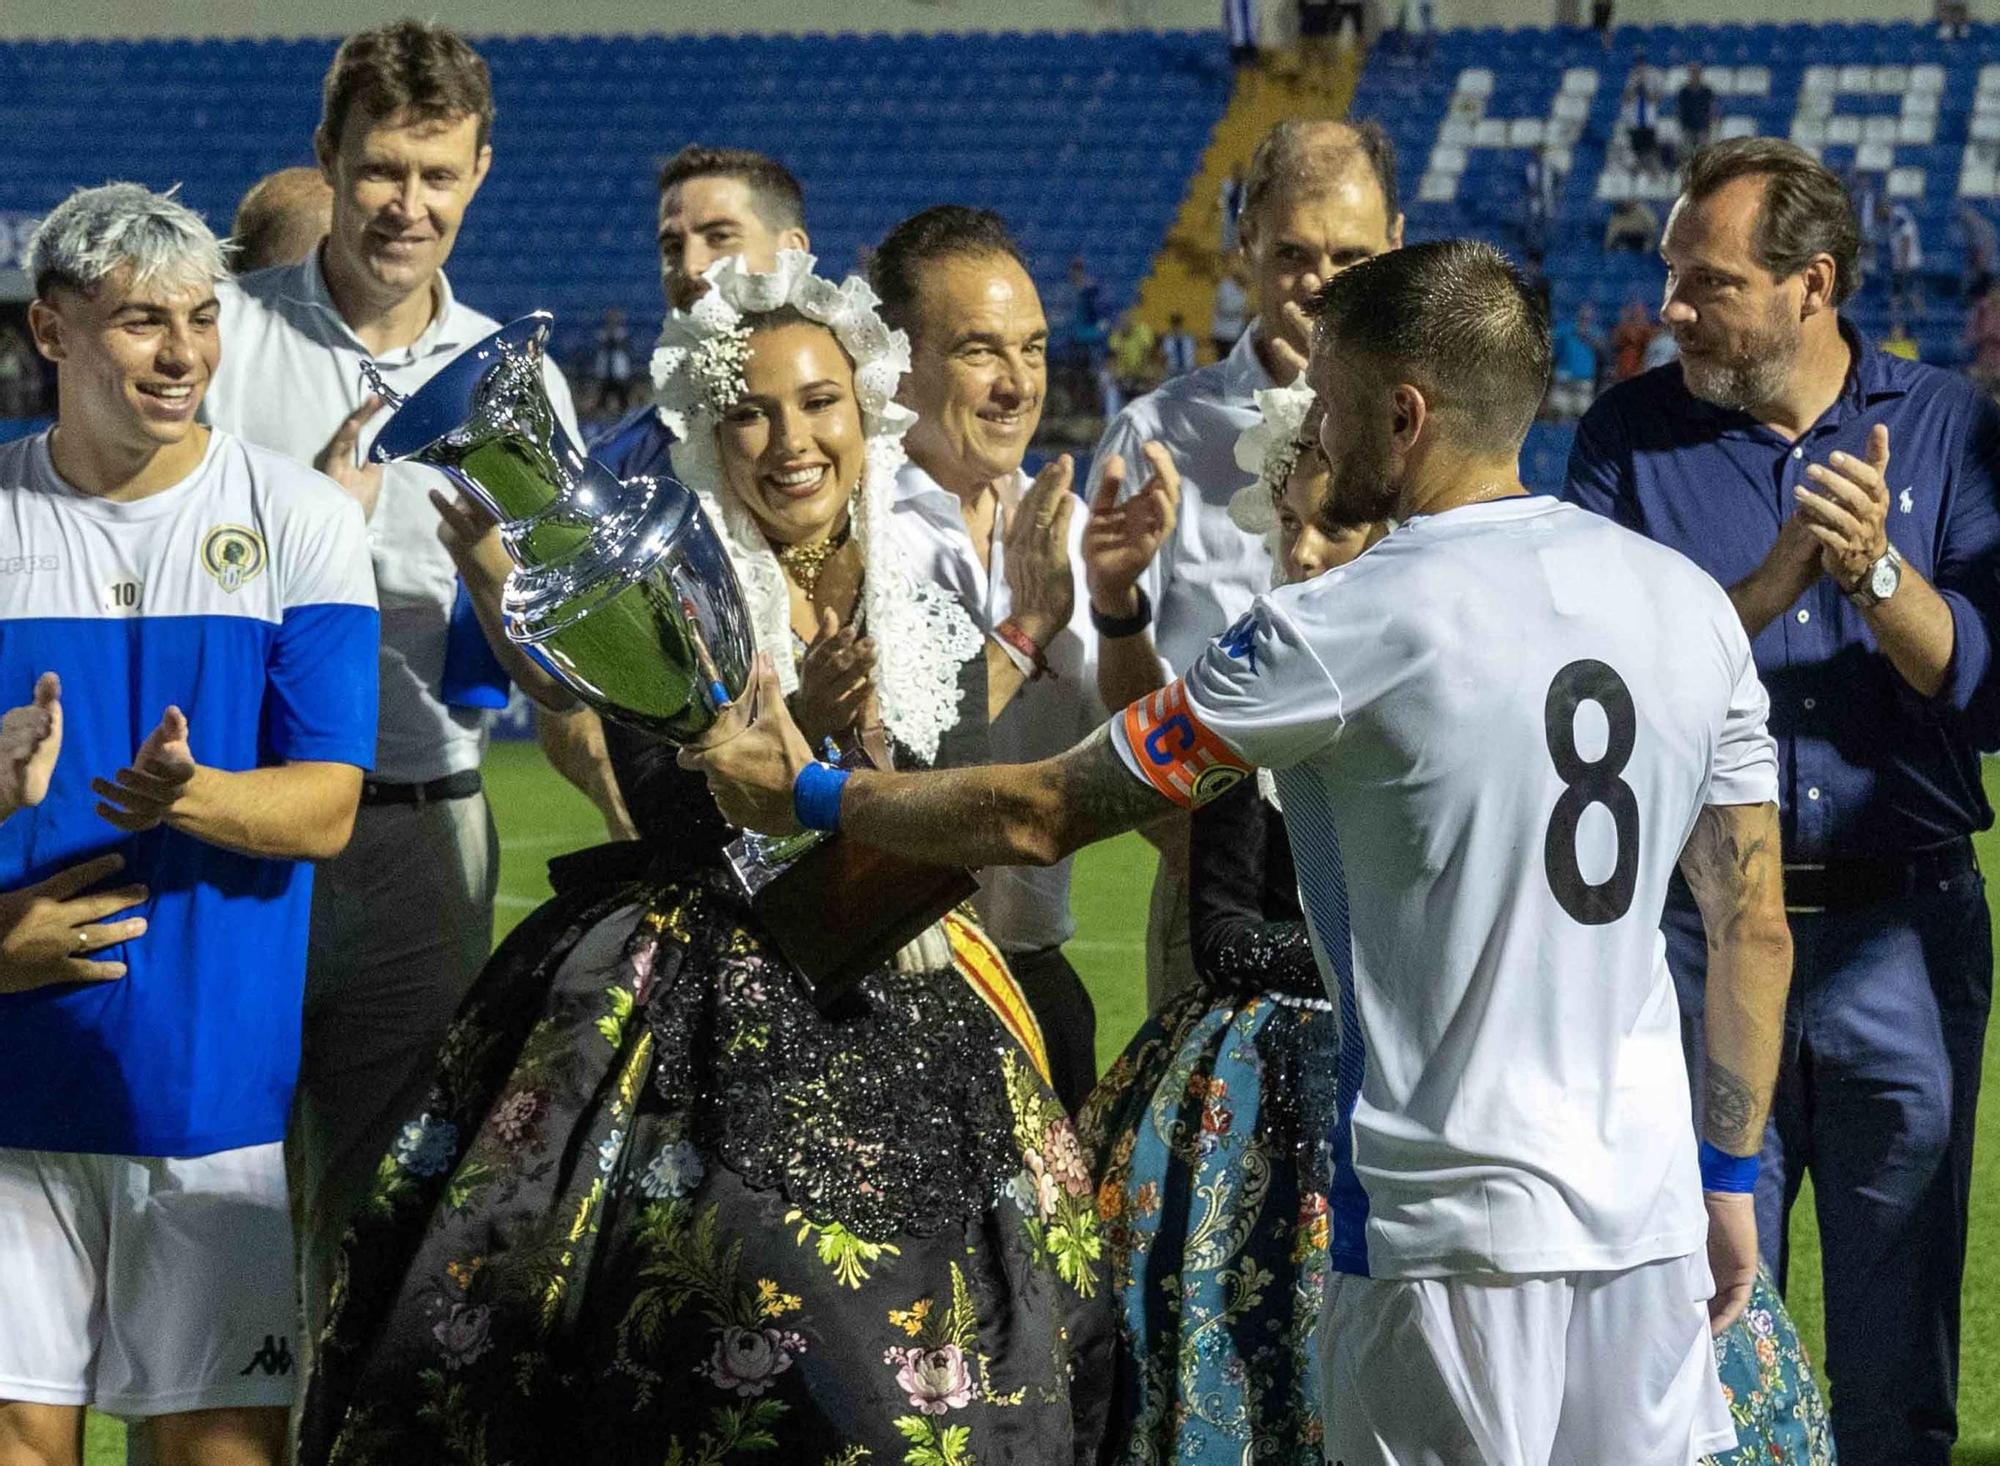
pixel 1753 372
pixel 1361 490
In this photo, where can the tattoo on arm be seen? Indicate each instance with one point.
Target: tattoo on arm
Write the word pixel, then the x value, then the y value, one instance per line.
pixel 1726 862
pixel 1732 1114
pixel 1099 794
pixel 1732 864
pixel 1002 814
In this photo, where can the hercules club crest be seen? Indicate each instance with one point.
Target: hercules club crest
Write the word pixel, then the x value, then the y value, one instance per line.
pixel 233 555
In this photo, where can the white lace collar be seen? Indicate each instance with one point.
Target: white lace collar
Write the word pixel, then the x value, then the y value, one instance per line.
pixel 922 634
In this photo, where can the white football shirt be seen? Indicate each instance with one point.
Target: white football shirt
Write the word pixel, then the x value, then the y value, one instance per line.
pixel 1512 713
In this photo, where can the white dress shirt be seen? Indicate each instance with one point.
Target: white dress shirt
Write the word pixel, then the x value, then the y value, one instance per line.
pixel 290 372
pixel 1209 571
pixel 1024 908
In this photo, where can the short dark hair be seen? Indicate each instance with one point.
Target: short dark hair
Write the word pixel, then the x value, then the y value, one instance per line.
pixel 1455 318
pixel 1307 153
pixel 774 193
pixel 1806 210
pixel 948 231
pixel 406 66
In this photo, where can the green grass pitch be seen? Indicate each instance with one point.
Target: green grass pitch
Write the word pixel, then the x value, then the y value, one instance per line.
pixel 540 816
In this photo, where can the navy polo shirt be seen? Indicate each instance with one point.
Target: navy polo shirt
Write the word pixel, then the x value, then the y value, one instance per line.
pixel 1867 766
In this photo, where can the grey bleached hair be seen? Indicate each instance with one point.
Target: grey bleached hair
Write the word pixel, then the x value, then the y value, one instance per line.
pixel 95 231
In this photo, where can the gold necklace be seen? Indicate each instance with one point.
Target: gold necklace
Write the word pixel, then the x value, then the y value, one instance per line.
pixel 805 563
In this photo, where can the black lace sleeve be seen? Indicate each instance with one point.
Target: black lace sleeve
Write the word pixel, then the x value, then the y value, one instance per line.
pixel 1248 933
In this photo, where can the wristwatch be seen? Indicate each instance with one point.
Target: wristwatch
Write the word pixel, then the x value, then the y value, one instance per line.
pixel 1879 583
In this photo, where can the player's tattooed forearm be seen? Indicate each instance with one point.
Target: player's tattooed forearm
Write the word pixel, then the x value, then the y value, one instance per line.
pixel 1726 862
pixel 1730 1108
pixel 1100 794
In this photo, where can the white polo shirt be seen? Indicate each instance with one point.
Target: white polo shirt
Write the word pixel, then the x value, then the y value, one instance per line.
pixel 1210 571
pixel 1024 908
pixel 290 371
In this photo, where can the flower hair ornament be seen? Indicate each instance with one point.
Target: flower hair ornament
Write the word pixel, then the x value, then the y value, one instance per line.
pixel 922 633
pixel 1269 448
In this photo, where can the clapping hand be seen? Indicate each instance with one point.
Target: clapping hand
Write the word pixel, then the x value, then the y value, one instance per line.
pixel 1122 538
pixel 752 755
pixel 1040 583
pixel 835 680
pixel 48 929
pixel 1848 510
pixel 144 794
pixel 338 459
pixel 30 740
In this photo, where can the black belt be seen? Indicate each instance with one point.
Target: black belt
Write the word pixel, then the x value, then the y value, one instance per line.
pixel 1845 885
pixel 462 785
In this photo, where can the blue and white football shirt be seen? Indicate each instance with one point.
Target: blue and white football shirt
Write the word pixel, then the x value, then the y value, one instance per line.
pixel 1512 714
pixel 244 596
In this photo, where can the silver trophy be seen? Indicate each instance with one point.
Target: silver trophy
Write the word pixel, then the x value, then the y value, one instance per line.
pixel 622 590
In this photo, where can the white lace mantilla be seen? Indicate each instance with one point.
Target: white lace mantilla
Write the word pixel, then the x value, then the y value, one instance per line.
pixel 922 634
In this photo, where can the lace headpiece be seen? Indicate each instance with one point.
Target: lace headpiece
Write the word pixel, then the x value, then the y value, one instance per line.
pixel 921 632
pixel 1269 448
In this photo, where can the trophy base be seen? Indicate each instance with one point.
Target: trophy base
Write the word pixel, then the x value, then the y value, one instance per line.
pixel 837 909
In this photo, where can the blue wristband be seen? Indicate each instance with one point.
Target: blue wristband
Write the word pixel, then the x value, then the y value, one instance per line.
pixel 816 796
pixel 1721 1171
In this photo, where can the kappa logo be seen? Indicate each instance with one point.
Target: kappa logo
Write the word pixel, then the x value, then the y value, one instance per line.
pixel 1905 502
pixel 233 555
pixel 274 1358
pixel 1240 640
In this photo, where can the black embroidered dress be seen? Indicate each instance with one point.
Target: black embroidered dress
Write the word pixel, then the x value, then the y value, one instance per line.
pixel 659 1209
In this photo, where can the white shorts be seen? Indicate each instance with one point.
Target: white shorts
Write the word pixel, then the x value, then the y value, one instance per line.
pixel 1571 1369
pixel 147 1286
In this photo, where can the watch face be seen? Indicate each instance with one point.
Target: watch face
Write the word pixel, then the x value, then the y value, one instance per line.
pixel 1882 580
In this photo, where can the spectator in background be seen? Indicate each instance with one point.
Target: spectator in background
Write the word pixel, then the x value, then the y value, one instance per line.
pixel 1320 196
pixel 1694 106
pixel 1872 606
pixel 1601 21
pixel 1317 23
pixel 281 219
pixel 1982 336
pixel 20 375
pixel 1871 207
pixel 1641 115
pixel 954 279
pixel 1954 20
pixel 1982 249
pixel 1541 185
pixel 1229 200
pixel 402 921
pixel 1416 40
pixel 1134 345
pixel 1177 348
pixel 1239 24
pixel 1629 340
pixel 1899 341
pixel 611 372
pixel 1632 226
pixel 1230 316
pixel 1906 261
pixel 1574 382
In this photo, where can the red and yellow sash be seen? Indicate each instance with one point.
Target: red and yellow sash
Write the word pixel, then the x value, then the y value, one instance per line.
pixel 986 970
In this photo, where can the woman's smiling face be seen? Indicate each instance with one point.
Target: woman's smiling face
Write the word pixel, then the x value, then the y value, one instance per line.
pixel 792 446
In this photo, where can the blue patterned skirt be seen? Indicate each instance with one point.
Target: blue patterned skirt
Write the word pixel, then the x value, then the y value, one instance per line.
pixel 1207 1136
